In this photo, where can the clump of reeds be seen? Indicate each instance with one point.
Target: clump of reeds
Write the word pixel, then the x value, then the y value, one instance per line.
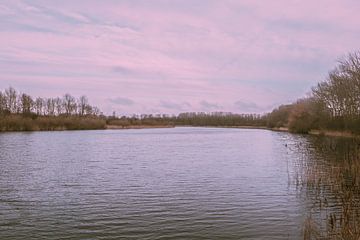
pixel 333 185
pixel 50 123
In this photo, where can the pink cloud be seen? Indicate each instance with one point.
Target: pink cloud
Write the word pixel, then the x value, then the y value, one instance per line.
pixel 208 52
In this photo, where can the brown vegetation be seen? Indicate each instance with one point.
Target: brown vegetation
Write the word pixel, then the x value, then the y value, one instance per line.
pixel 21 112
pixel 50 123
pixel 332 182
pixel 333 104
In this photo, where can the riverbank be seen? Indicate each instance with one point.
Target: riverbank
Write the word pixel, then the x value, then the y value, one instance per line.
pixel 330 133
pixel 16 123
pixel 242 127
pixel 20 123
pixel 114 127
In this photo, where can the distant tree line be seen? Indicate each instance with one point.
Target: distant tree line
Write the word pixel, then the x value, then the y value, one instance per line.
pixel 333 104
pixel 12 102
pixel 191 119
pixel 21 112
pixel 141 120
pixel 220 119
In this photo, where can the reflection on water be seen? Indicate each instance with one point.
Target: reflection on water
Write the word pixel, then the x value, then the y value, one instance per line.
pixel 182 183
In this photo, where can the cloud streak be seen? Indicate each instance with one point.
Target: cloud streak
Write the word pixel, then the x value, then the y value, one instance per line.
pixel 208 54
pixel 122 101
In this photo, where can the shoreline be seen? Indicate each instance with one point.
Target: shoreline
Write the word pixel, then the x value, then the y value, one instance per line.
pixel 241 127
pixel 314 132
pixel 118 127
pixel 332 133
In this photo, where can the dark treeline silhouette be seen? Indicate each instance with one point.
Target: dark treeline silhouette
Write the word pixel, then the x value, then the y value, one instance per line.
pixel 220 119
pixel 143 120
pixel 216 119
pixel 334 104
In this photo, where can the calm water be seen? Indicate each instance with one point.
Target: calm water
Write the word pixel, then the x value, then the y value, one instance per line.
pixel 181 183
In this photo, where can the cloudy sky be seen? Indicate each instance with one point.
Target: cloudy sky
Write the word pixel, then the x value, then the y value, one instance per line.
pixel 170 56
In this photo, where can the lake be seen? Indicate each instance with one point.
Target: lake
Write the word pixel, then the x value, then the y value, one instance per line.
pixel 175 183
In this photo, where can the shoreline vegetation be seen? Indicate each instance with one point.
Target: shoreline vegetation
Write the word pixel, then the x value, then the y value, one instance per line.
pixel 113 127
pixel 332 108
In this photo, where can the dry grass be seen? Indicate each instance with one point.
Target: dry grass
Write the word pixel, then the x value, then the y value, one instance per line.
pixel 333 133
pixel 47 123
pixel 334 187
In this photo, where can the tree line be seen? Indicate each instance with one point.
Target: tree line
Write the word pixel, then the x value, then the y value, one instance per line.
pixel 21 112
pixel 220 119
pixel 215 119
pixel 332 104
pixel 12 102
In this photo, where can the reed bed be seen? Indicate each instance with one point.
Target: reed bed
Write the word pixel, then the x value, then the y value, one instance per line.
pixel 330 177
pixel 50 123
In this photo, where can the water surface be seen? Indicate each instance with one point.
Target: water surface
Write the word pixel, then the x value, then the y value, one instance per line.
pixel 181 183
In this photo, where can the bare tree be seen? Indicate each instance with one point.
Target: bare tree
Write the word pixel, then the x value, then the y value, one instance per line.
pixel 96 111
pixel 59 106
pixel 39 106
pixel 69 104
pixel 11 99
pixel 82 104
pixel 26 103
pixel 339 94
pixel 50 106
pixel 2 102
pixel 12 102
pixel 88 110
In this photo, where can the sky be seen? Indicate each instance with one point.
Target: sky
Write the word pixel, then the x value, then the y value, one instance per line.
pixel 172 56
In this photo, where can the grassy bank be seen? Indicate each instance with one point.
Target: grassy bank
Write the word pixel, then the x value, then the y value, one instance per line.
pixel 48 123
pixel 19 122
pixel 330 133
